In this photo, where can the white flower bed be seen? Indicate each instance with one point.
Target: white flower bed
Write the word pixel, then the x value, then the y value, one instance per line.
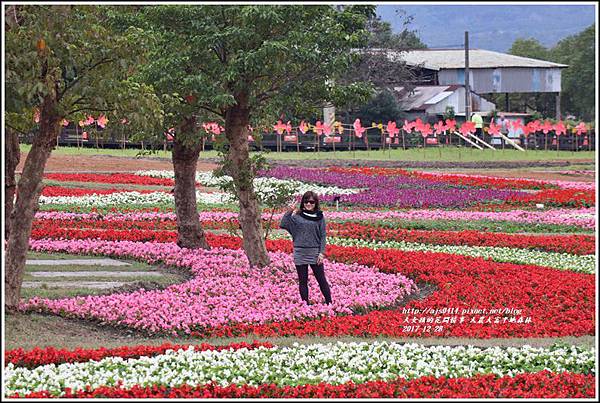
pixel 132 198
pixel 261 185
pixel 300 364
pixel 562 261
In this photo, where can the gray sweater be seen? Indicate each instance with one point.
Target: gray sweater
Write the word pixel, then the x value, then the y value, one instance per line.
pixel 305 233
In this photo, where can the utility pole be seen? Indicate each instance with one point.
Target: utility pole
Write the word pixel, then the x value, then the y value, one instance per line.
pixel 467 91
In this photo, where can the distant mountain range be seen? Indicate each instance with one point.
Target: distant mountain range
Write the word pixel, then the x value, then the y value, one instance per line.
pixel 492 27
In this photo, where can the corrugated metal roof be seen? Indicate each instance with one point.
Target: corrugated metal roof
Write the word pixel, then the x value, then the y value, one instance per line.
pixel 416 99
pixel 439 97
pixel 436 59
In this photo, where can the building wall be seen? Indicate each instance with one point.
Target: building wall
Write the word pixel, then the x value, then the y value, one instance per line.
pixel 505 79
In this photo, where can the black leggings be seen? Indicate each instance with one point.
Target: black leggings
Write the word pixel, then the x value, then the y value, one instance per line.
pixel 319 272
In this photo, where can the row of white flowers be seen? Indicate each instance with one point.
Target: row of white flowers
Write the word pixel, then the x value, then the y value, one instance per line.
pixel 562 261
pixel 133 198
pixel 261 185
pixel 334 363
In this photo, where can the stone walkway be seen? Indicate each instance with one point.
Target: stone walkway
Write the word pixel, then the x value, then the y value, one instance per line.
pixel 74 284
pixel 83 262
pixel 47 274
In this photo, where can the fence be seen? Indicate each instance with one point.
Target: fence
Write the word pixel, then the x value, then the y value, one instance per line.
pixel 372 139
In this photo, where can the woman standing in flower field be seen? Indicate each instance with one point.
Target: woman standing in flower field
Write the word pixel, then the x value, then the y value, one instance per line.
pixel 307 227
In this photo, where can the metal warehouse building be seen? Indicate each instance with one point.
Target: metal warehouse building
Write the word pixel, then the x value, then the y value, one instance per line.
pixel 489 72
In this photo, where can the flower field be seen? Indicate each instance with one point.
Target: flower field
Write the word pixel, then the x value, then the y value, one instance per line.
pixel 410 255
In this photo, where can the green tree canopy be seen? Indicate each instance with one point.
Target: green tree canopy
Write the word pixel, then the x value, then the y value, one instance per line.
pixel 245 65
pixel 63 62
pixel 578 80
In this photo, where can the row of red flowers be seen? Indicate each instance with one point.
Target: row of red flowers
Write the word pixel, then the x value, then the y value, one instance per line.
pixel 485 182
pixel 557 303
pixel 50 355
pixel 52 191
pixel 575 244
pixel 111 178
pixel 557 197
pixel 528 385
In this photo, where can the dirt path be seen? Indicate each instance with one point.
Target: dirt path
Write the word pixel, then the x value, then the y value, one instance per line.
pixel 107 163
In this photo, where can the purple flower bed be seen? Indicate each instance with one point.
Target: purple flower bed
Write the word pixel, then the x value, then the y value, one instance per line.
pixel 398 191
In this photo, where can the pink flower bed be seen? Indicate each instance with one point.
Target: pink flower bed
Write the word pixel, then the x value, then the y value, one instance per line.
pixel 584 217
pixel 223 290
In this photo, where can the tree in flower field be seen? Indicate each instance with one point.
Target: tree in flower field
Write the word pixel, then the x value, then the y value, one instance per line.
pixel 242 65
pixel 63 63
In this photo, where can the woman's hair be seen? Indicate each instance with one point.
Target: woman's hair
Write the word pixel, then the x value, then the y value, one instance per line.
pixel 307 196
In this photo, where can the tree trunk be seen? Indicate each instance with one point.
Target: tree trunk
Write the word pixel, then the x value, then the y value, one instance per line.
pixel 29 189
pixel 13 156
pixel 189 232
pixel 236 123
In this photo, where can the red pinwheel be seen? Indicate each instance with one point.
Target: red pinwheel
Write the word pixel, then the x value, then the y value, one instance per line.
pixel 212 127
pixel 358 129
pixel 439 127
pixel 425 129
pixel 319 128
pixel 288 127
pixel 560 128
pixel 467 128
pixel 546 127
pixel 536 126
pixel 279 127
pixel 102 121
pixel 516 125
pixel 451 125
pixel 392 129
pixel 418 125
pixel 408 126
pixel 494 129
pixel 580 128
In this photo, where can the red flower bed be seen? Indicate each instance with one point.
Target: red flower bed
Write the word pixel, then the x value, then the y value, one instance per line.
pixel 373 171
pixel 529 385
pixel 576 244
pixel 111 178
pixel 557 197
pixel 108 224
pixel 164 231
pixel 62 191
pixel 551 303
pixel 494 183
pixel 50 355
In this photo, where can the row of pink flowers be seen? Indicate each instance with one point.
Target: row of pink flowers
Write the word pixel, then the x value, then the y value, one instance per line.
pixel 224 289
pixel 584 217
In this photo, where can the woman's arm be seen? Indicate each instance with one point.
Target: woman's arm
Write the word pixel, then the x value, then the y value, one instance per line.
pixel 323 236
pixel 287 222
